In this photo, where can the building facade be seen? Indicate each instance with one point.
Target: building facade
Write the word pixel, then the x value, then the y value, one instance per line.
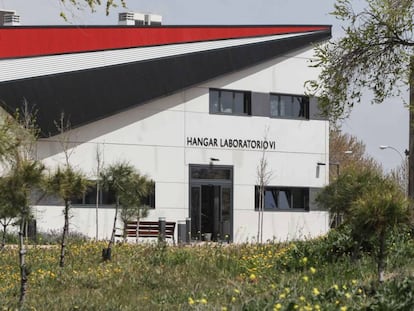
pixel 195 108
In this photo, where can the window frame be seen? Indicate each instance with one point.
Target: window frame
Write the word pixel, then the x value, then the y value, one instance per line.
pixel 292 96
pixel 103 193
pixel 305 198
pixel 247 102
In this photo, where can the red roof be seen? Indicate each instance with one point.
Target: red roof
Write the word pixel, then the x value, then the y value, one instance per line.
pixel 41 40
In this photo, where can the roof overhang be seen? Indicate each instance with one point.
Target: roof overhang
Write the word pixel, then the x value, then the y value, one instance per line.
pixel 121 67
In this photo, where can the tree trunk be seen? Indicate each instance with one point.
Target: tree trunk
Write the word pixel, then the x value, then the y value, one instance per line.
pixel 260 214
pixel 125 231
pixel 106 253
pixel 97 209
pixel 411 134
pixel 64 234
pixel 137 231
pixel 381 256
pixel 3 239
pixel 22 262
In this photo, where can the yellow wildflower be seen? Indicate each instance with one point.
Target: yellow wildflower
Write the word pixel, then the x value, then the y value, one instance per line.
pixel 190 301
pixel 236 291
pixel 348 295
pixel 344 308
pixel 305 278
pixel 252 277
pixel 301 298
pixel 312 270
pixel 315 291
pixel 203 301
pixel 233 299
pixel 336 287
pixel 282 296
pixel 277 306
pixel 223 308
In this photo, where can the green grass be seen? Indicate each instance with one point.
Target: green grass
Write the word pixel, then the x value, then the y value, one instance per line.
pixel 311 275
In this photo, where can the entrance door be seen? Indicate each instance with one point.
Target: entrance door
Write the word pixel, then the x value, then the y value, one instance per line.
pixel 211 209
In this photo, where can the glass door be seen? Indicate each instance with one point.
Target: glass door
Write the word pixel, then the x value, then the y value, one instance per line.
pixel 211 208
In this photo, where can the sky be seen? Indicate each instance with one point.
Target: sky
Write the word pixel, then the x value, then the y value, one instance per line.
pixel 374 125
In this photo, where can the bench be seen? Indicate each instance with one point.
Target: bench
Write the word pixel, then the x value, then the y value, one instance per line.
pixel 149 229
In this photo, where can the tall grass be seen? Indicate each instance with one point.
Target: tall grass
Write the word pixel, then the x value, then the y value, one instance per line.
pixel 312 275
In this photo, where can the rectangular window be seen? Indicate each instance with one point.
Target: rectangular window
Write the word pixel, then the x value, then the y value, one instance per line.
pixel 107 197
pixel 149 199
pixel 283 198
pixel 289 106
pixel 230 102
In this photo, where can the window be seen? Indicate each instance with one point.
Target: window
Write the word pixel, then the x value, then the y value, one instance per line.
pixel 289 106
pixel 230 102
pixel 149 200
pixel 283 198
pixel 107 197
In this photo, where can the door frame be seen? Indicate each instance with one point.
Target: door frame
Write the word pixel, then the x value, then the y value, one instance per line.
pixel 212 182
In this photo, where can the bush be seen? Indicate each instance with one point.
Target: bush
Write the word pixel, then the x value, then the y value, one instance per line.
pixel 11 237
pixel 395 295
pixel 55 237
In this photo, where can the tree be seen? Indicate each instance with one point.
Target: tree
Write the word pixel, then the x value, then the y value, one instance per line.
pixel 7 211
pixel 374 56
pixel 129 187
pixel 22 174
pixel 340 194
pixel 371 205
pixel 400 176
pixel 92 4
pixel 8 139
pixel 99 165
pixel 68 184
pixel 346 150
pixel 133 205
pixel 347 153
pixel 22 179
pixel 263 177
pixel 391 209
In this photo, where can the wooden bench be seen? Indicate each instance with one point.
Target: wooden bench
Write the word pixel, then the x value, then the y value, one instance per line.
pixel 149 229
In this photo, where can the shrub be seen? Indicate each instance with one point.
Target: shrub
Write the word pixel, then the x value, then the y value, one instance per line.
pixel 395 295
pixel 55 237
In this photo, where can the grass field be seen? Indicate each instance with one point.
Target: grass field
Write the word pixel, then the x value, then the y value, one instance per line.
pixel 312 275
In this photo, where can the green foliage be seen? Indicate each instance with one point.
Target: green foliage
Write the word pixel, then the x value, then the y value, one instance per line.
pixel 207 277
pixel 373 55
pixel 396 295
pixel 372 206
pixel 7 211
pixel 19 182
pixel 382 207
pixel 339 195
pixel 130 187
pixel 67 183
pixel 48 238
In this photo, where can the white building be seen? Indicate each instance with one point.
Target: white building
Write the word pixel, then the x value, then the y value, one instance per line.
pixel 195 108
